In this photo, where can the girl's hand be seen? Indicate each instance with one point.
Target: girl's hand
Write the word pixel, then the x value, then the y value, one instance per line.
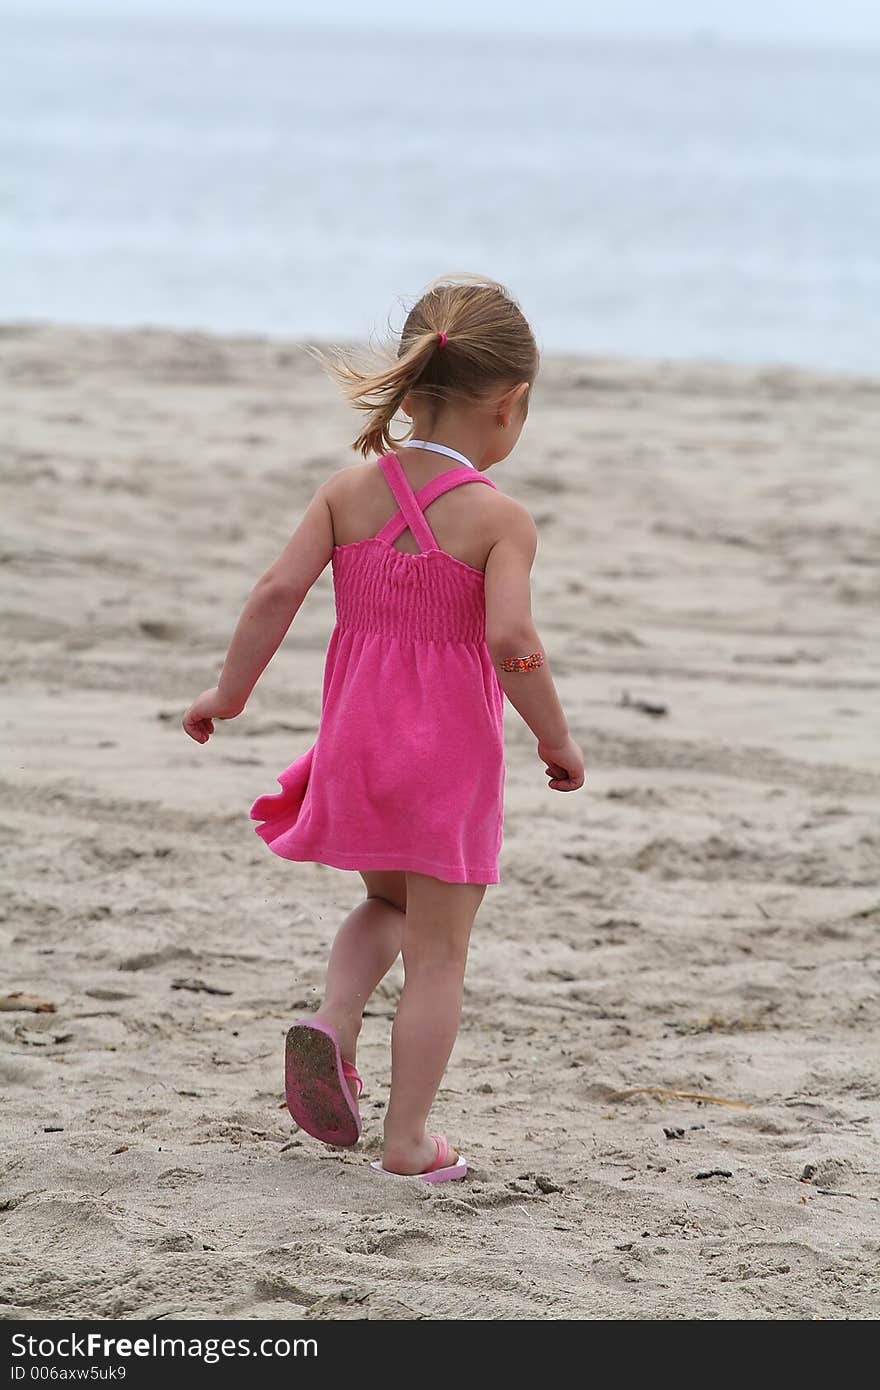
pixel 199 718
pixel 565 765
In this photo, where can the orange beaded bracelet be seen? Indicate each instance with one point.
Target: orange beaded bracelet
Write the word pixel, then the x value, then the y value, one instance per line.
pixel 522 663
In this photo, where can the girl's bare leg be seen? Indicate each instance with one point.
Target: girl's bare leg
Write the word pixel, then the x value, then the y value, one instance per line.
pixel 436 934
pixel 366 946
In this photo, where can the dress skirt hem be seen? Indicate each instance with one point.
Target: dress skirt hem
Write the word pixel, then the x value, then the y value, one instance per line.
pixel 448 873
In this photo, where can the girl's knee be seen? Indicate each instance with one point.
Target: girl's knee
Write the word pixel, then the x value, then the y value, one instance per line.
pixel 388 884
pixel 437 947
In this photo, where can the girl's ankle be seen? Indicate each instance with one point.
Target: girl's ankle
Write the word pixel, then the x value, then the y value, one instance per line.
pixel 410 1156
pixel 347 1029
pixel 404 1140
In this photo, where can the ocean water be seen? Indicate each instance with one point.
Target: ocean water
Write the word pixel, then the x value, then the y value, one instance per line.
pixel 639 198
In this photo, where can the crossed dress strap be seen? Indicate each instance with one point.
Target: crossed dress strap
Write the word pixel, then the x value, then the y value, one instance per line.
pixel 412 503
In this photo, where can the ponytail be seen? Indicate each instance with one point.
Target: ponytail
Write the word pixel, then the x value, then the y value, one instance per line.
pixel 464 336
pixel 380 393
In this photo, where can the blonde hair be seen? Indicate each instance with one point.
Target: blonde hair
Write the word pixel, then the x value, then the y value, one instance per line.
pixel 488 344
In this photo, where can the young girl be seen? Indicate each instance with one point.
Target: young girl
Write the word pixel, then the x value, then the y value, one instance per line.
pixel 405 782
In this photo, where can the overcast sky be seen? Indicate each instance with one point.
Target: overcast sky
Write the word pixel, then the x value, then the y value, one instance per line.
pixel 794 21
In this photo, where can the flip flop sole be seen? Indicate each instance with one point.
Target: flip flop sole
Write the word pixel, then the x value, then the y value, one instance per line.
pixel 451 1174
pixel 315 1087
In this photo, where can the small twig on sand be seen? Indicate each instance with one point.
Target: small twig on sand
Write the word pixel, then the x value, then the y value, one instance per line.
pixel 199 987
pixel 10 1003
pixel 832 1192
pixel 678 1095
pixel 763 911
pixel 645 706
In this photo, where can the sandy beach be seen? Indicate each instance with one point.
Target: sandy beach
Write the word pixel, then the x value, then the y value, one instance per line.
pixel 701 918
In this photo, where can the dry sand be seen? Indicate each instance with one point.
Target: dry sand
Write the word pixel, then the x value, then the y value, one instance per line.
pixel 701 917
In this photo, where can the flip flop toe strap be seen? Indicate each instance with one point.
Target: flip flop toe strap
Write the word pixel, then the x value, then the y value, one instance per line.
pixel 352 1074
pixel 443 1153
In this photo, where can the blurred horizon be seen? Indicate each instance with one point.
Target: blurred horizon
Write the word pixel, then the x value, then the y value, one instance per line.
pixel 767 23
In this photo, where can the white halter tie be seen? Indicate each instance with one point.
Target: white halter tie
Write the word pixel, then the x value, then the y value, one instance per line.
pixel 439 449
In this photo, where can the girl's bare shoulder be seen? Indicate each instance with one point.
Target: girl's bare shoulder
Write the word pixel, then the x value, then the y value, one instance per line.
pixel 346 481
pixel 514 516
pixel 350 472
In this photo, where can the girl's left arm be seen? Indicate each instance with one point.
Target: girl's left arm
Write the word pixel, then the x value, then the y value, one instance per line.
pixel 272 606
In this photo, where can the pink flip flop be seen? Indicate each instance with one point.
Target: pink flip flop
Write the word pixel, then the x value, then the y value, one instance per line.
pixel 441 1170
pixel 318 1084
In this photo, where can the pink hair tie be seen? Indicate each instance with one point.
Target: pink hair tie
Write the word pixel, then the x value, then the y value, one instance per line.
pixel 442 339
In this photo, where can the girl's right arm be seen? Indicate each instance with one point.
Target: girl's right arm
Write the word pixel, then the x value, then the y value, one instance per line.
pixel 511 634
pixel 272 606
